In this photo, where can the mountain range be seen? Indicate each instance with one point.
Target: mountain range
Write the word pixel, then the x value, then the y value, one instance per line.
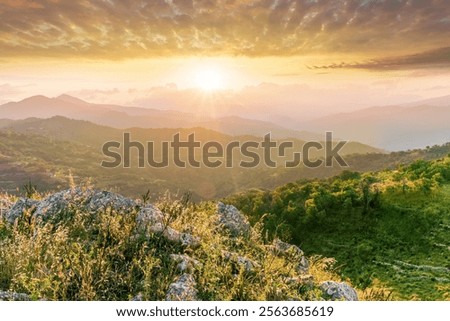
pixel 392 128
pixel 127 117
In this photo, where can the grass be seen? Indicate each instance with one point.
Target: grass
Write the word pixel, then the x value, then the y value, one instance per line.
pixel 79 255
pixel 387 231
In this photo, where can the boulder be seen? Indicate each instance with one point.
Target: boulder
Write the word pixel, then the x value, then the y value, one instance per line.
pixel 91 200
pixel 149 215
pixel 232 220
pixel 338 291
pixel 183 289
pixel 13 296
pixel 174 236
pixel 17 210
pixel 5 205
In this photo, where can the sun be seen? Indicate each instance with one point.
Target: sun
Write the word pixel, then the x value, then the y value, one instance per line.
pixel 209 79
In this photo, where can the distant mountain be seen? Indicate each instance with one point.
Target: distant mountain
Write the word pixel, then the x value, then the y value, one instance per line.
pixel 443 101
pixel 88 133
pixel 126 117
pixel 392 128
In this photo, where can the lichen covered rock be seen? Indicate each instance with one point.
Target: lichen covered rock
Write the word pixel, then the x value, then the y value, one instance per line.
pixel 338 291
pixel 13 296
pixel 183 289
pixel 232 219
pixel 184 262
pixel 293 253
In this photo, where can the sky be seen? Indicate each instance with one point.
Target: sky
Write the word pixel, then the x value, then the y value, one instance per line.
pixel 316 57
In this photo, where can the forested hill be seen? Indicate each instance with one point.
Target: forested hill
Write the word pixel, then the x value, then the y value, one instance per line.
pixel 386 229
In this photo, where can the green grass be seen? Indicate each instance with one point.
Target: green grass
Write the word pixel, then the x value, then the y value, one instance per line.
pixel 389 229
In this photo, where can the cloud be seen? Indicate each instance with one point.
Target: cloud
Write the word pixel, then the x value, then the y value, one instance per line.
pixel 437 58
pixel 118 29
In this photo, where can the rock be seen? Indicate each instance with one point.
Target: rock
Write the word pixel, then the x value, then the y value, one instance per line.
pixel 232 220
pixel 183 289
pixel 292 252
pixel 5 205
pixel 249 265
pixel 172 235
pixel 338 291
pixel 149 215
pixel 306 279
pixel 17 210
pixel 185 263
pixel 101 200
pixel 13 296
pixel 91 200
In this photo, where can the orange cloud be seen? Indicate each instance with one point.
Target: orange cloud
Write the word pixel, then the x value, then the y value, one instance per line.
pixel 118 29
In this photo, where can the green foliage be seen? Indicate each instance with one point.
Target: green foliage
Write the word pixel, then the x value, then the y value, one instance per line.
pixel 369 222
pixel 47 156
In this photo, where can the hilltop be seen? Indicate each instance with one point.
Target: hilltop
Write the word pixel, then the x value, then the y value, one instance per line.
pixel 86 244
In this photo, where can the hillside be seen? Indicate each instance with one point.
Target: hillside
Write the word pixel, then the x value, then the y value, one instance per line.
pixel 50 152
pixel 387 229
pixel 85 244
pixel 51 148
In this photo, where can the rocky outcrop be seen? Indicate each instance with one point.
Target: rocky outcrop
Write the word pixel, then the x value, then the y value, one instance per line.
pixel 18 209
pixel 149 217
pixel 183 289
pixel 152 223
pixel 338 291
pixel 13 296
pixel 232 220
pixel 54 204
pixel 293 253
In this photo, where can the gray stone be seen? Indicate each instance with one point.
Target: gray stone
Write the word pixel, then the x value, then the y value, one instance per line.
pixel 183 289
pixel 249 265
pixel 185 263
pixel 17 210
pixel 232 220
pixel 306 279
pixel 338 291
pixel 292 253
pixel 172 235
pixel 149 215
pixel 101 200
pixel 91 200
pixel 5 205
pixel 13 296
